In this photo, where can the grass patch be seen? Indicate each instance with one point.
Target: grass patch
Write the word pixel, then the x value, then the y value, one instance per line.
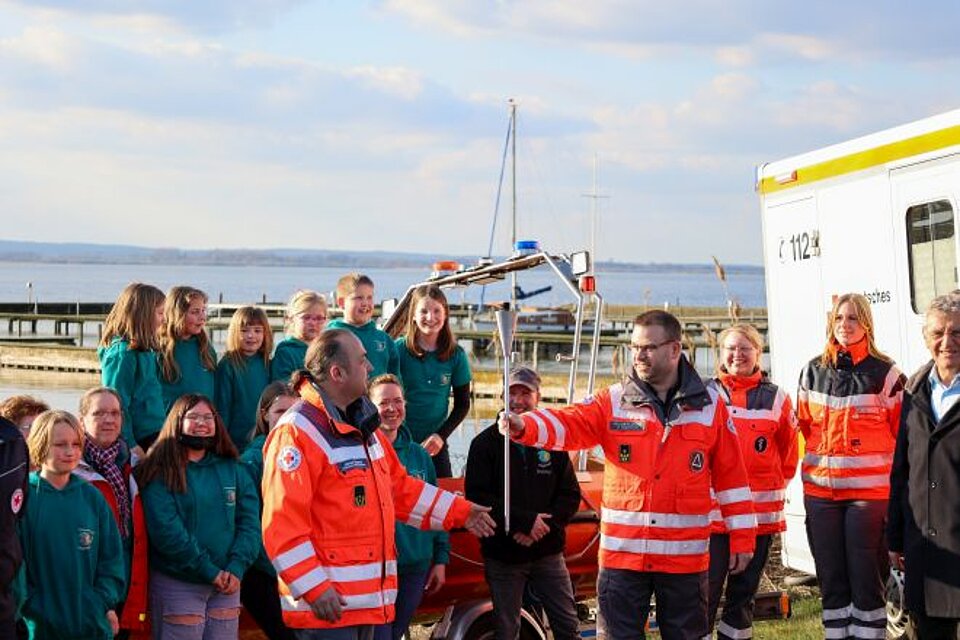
pixel 804 624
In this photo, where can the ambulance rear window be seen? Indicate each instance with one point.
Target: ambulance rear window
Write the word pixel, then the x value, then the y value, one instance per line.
pixel 932 251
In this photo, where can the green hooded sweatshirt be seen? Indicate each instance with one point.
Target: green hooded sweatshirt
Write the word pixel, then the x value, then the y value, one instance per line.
pixel 252 459
pixel 213 526
pixel 74 564
pixel 287 358
pixel 135 376
pixel 194 378
pixel 381 349
pixel 417 550
pixel 238 393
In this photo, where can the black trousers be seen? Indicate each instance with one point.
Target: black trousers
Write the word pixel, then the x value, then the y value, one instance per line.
pixel 923 627
pixel 259 595
pixel 624 598
pixel 849 549
pixel 736 622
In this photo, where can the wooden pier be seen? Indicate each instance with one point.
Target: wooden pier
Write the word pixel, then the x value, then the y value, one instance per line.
pixel 65 347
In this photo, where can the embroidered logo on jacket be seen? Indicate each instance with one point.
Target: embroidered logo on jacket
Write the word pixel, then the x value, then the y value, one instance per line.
pixel 760 444
pixel 84 539
pixel 624 453
pixel 360 496
pixel 16 500
pixel 230 496
pixel 289 459
pixel 696 461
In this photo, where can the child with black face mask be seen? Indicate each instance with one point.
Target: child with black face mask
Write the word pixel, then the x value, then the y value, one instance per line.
pixel 203 516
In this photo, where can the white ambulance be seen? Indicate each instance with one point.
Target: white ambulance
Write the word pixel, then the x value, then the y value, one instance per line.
pixel 875 215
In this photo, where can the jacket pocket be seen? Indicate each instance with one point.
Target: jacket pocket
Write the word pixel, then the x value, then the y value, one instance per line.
pixel 693 500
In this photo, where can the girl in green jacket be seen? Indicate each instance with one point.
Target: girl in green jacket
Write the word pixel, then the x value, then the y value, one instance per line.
pixel 258 589
pixel 74 570
pixel 188 361
pixel 201 512
pixel 305 318
pixel 243 372
pixel 128 362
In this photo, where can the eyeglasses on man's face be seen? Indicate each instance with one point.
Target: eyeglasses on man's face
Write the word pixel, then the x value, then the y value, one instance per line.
pixel 648 349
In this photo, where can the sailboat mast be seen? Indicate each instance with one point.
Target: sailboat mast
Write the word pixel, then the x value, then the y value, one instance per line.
pixel 513 180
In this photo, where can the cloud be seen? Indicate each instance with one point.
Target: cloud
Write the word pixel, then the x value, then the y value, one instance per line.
pixel 210 16
pixel 736 32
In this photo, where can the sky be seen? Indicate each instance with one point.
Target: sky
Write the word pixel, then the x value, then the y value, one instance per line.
pixel 381 125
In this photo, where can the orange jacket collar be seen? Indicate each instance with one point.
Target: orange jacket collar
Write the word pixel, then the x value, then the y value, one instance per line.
pixel 858 351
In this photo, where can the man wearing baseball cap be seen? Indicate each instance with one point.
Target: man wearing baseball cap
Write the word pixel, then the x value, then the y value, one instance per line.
pixel 544 495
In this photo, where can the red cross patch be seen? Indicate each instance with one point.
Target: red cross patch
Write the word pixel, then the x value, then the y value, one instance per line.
pixel 16 501
pixel 289 459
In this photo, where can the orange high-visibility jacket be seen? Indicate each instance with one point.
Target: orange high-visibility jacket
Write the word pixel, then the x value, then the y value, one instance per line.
pixel 849 415
pixel 658 472
pixel 767 430
pixel 330 500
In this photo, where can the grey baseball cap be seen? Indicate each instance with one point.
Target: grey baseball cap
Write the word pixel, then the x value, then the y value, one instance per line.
pixel 525 376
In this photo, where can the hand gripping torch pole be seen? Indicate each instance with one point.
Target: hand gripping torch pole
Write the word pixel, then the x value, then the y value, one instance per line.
pixel 506 322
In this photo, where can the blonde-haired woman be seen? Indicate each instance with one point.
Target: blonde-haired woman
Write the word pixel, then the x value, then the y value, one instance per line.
pixel 848 409
pixel 763 416
pixel 305 318
pixel 73 557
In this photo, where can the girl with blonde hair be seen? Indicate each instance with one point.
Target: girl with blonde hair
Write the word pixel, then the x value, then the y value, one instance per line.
pixel 73 557
pixel 243 372
pixel 305 318
pixel 187 359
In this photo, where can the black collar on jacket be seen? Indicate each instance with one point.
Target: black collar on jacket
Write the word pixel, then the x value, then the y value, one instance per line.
pixel 690 393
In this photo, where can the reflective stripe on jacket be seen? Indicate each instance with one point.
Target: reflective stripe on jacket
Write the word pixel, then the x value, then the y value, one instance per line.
pixel 849 415
pixel 657 480
pixel 330 499
pixel 767 429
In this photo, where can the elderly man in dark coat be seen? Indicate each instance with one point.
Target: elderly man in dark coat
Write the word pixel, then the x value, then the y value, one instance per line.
pixel 923 527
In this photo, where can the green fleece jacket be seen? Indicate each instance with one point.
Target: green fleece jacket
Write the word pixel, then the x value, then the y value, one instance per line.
pixel 238 393
pixel 213 526
pixel 74 564
pixel 252 459
pixel 381 349
pixel 194 378
pixel 287 358
pixel 135 376
pixel 417 550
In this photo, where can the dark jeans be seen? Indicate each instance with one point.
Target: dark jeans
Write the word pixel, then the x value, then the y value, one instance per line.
pixel 355 632
pixel 624 597
pixel 551 582
pixel 847 541
pixel 258 593
pixel 409 594
pixel 441 462
pixel 737 618
pixel 923 627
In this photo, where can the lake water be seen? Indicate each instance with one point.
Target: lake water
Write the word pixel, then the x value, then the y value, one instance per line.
pixel 102 283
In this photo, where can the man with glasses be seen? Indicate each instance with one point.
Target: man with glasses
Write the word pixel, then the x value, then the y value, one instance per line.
pixel 923 520
pixel 669 444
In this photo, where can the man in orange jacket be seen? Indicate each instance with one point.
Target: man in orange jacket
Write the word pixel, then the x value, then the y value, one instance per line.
pixel 332 489
pixel 667 440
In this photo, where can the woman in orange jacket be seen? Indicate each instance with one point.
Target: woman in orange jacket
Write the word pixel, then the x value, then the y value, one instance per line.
pixel 848 408
pixel 767 429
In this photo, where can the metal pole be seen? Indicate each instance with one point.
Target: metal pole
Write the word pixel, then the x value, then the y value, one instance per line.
pixel 513 180
pixel 506 318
